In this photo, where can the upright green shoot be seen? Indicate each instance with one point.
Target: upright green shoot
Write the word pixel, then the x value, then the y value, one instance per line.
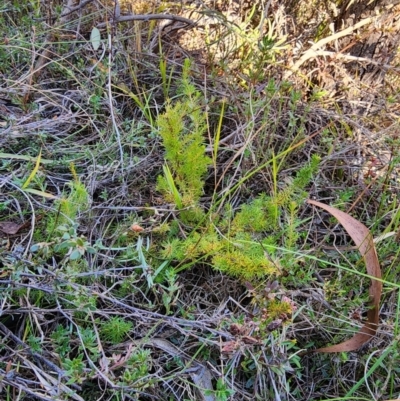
pixel 182 128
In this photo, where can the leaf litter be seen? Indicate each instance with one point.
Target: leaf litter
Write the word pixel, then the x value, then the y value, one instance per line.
pixel 365 243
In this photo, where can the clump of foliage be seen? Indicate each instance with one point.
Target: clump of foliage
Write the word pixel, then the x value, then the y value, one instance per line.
pixel 137 369
pixel 182 128
pixel 230 243
pixel 115 329
pixel 69 207
pixel 238 245
pixel 62 227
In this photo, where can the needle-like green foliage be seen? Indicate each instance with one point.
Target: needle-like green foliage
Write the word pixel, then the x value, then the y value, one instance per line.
pixel 182 128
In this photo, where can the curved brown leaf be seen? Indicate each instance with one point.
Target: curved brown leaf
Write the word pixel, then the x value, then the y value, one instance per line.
pixel 364 241
pixel 10 228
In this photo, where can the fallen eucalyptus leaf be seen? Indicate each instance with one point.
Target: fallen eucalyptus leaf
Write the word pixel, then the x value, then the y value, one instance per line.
pixel 364 241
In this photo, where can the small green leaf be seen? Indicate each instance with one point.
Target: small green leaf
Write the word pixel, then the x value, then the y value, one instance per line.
pixel 35 248
pixel 61 247
pixel 95 38
pixel 75 255
pixel 90 250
